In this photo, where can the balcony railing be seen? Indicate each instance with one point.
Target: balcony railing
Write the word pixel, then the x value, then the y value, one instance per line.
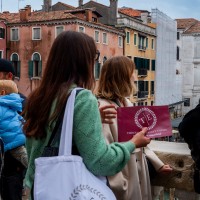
pixel 142 94
pixel 142 72
pixel 141 47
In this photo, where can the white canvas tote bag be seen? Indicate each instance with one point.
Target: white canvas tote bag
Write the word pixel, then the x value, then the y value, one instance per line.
pixel 65 177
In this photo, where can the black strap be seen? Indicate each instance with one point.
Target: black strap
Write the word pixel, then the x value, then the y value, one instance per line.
pixel 55 130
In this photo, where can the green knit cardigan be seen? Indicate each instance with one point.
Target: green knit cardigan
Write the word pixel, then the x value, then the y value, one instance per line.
pixel 100 158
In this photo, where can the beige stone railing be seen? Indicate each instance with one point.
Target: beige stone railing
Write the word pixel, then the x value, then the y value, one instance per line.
pixel 180 181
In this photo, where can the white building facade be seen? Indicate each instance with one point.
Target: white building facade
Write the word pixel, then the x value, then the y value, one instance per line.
pixel 189 61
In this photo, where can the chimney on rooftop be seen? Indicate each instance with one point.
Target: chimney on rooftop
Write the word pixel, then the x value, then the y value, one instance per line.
pixel 47 5
pixel 23 15
pixel 28 8
pixel 144 17
pixel 88 13
pixel 80 3
pixel 113 12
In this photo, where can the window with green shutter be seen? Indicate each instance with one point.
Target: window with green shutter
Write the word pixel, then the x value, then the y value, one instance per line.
pixel 30 68
pixel 2 33
pixel 135 39
pixel 152 43
pixel 128 37
pixel 147 41
pixel 153 65
pixel 36 66
pixel 146 63
pixel 152 87
pixel 16 64
pixel 136 61
pixel 97 70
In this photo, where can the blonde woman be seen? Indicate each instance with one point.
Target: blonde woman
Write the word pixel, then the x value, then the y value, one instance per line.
pixel 115 84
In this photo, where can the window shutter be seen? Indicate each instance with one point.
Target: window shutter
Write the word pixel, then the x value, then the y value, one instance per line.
pixel 153 63
pixel 18 68
pixel 97 70
pixel 40 68
pixel 30 68
pixel 135 39
pixel 147 41
pixel 148 62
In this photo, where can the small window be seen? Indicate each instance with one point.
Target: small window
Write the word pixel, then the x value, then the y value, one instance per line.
pixel 120 41
pixel 145 103
pixel 152 103
pixel 187 102
pixel 14 34
pixel 97 36
pixel 178 35
pixel 135 39
pixel 36 33
pixel 152 43
pixel 1 54
pixel 128 37
pixel 105 38
pixel 94 19
pixel 16 64
pixel 2 33
pixel 59 29
pixel 81 29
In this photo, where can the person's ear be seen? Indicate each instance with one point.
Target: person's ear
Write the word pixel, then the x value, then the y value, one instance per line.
pixel 9 76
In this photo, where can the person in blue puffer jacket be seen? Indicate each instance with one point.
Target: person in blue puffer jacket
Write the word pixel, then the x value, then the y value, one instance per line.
pixel 11 122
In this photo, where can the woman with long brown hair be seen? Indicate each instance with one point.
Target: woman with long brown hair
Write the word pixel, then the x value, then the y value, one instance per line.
pixel 71 64
pixel 116 83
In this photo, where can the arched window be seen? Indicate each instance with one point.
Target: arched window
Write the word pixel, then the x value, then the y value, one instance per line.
pixel 35 66
pixel 177 53
pixel 16 63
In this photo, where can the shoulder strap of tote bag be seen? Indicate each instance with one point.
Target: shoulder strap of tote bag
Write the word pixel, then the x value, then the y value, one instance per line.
pixel 65 147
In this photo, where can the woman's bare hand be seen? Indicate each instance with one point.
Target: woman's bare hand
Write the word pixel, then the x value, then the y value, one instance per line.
pixel 108 113
pixel 140 139
pixel 165 169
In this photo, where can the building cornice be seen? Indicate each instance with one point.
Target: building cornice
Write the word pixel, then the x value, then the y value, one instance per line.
pixel 68 21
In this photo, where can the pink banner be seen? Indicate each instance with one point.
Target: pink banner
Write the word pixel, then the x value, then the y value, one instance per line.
pixel 132 119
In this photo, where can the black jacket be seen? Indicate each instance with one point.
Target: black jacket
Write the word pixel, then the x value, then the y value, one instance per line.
pixel 189 129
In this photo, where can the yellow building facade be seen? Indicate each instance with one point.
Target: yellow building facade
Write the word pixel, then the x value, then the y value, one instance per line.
pixel 140 46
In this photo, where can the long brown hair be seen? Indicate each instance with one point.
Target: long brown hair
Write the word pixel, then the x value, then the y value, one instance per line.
pixel 70 61
pixel 115 79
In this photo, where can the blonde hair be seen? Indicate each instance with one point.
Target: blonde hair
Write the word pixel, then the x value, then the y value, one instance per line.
pixel 115 79
pixel 8 86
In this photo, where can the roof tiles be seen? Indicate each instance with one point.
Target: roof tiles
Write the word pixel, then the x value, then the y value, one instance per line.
pixel 130 12
pixel 185 23
pixel 37 16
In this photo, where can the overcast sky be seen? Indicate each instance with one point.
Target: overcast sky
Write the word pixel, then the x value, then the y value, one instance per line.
pixel 173 8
